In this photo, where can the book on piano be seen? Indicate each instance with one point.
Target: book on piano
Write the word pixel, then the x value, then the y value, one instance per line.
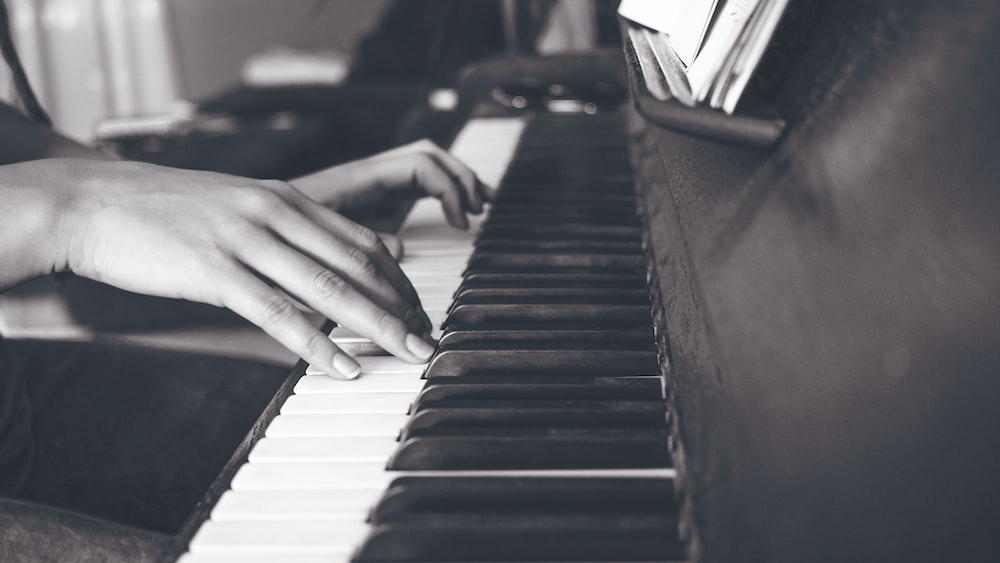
pixel 706 50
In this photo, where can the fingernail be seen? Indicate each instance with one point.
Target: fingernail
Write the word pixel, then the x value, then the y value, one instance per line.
pixel 418 347
pixel 346 365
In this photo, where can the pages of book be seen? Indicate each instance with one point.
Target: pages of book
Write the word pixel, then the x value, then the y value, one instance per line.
pixel 661 15
pixel 753 52
pixel 720 42
pixel 689 32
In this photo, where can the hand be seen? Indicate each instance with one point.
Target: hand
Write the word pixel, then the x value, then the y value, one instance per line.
pixel 420 168
pixel 220 239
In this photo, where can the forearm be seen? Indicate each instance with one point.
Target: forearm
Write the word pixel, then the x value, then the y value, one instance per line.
pixel 22 139
pixel 29 223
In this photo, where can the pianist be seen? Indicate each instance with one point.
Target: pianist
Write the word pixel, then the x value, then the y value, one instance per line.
pixel 98 441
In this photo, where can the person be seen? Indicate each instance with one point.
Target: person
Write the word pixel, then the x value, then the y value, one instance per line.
pixel 104 448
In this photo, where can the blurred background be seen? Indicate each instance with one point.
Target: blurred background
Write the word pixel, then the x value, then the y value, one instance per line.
pixel 97 63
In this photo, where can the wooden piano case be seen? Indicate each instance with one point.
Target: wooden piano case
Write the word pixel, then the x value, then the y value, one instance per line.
pixel 830 303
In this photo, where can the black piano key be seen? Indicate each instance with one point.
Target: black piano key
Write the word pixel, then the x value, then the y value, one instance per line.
pixel 550 260
pixel 525 538
pixel 633 339
pixel 542 359
pixel 414 497
pixel 552 280
pixel 610 315
pixel 525 386
pixel 592 221
pixel 530 448
pixel 568 211
pixel 534 295
pixel 547 197
pixel 534 231
pixel 533 413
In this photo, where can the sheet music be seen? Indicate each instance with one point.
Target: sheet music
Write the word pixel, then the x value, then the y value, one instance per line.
pixel 760 37
pixel 661 15
pixel 692 24
pixel 703 72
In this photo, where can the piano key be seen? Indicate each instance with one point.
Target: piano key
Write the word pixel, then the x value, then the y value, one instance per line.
pixel 505 335
pixel 279 536
pixel 383 403
pixel 311 476
pixel 461 360
pixel 379 365
pixel 519 261
pixel 410 497
pixel 527 279
pixel 381 383
pixel 534 413
pixel 531 231
pixel 547 448
pixel 375 476
pixel 331 425
pixel 519 386
pixel 294 505
pixel 520 538
pixel 482 313
pixel 565 244
pixel 327 449
pixel 260 558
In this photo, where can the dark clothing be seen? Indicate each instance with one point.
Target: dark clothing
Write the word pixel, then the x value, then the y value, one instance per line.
pixel 118 445
pixel 15 425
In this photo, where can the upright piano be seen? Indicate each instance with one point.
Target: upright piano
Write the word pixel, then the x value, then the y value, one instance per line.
pixel 773 336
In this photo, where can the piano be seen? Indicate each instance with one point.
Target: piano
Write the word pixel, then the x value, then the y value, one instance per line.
pixel 666 342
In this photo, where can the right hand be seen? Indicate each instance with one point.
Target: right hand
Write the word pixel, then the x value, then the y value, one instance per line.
pixel 231 242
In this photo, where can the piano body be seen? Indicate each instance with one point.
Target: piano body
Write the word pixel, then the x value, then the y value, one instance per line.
pixel 825 311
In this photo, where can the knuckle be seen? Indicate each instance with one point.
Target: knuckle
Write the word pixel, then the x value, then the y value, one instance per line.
pixel 328 285
pixel 276 310
pixel 368 241
pixel 315 343
pixel 385 323
pixel 361 263
pixel 260 199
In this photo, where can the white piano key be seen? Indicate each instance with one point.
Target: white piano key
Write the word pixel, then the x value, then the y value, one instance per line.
pixel 279 537
pixel 311 476
pixel 263 558
pixel 383 383
pixel 319 425
pixel 328 449
pixel 377 365
pixel 295 505
pixel 370 403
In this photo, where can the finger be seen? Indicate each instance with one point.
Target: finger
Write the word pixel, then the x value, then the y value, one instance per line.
pixel 489 193
pixel 335 297
pixel 366 240
pixel 394 244
pixel 346 258
pixel 429 176
pixel 416 166
pixel 254 300
pixel 463 176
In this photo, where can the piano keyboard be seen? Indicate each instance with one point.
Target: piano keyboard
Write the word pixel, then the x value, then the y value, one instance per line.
pixel 536 432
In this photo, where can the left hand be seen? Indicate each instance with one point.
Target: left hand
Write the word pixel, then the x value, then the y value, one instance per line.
pixel 420 168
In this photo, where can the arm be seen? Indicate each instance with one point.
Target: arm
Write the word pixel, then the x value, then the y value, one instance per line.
pixel 227 241
pixel 231 242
